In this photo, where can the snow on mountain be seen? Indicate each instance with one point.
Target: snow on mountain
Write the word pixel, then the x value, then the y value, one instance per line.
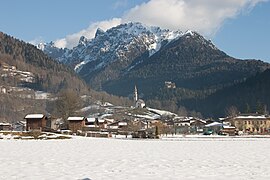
pixel 114 44
pixel 118 50
pixel 51 50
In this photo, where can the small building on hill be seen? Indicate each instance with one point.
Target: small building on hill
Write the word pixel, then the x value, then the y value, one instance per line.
pixel 36 122
pixel 76 124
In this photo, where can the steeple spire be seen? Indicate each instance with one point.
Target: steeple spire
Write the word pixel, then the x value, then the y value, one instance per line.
pixel 135 94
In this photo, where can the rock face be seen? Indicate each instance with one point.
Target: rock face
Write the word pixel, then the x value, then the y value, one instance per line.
pixel 118 46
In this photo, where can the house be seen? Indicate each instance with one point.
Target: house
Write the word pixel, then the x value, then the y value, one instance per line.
pixel 214 127
pixel 250 123
pixel 5 126
pixel 229 130
pixel 141 124
pixel 189 125
pixel 36 122
pixel 170 85
pixel 113 126
pixel 76 123
pixel 91 122
pixel 118 127
pixel 102 123
pixel 197 125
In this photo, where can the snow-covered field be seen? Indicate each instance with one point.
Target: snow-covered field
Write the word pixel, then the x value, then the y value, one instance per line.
pixel 93 158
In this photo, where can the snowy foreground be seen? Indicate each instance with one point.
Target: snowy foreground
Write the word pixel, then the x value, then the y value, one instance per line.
pixel 93 158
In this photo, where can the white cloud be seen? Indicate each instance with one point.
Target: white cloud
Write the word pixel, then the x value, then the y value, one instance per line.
pixel 204 16
pixel 72 40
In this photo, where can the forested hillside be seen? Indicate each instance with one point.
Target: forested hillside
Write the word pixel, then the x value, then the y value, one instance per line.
pixel 49 75
pixel 252 95
pixel 30 82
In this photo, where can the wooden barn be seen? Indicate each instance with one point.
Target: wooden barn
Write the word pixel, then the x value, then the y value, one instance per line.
pixel 76 123
pixel 36 122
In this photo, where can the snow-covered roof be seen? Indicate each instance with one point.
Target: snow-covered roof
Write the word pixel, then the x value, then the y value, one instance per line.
pixel 214 124
pixel 34 116
pixel 91 119
pixel 251 117
pixel 75 118
pixel 162 112
pixel 101 120
pixel 5 124
pixel 203 121
pixel 122 123
pixel 228 127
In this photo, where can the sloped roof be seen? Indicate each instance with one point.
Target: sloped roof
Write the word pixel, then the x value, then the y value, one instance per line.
pixel 122 123
pixel 5 124
pixel 34 116
pixel 214 124
pixel 91 119
pixel 251 117
pixel 79 118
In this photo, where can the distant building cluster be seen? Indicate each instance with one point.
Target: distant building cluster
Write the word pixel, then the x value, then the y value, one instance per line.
pixel 243 124
pixel 170 85
pixel 12 71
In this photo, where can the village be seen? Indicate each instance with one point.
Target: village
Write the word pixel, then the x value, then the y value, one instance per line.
pixel 243 124
pixel 140 122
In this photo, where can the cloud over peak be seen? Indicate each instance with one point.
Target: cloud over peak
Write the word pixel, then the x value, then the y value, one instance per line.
pixel 203 16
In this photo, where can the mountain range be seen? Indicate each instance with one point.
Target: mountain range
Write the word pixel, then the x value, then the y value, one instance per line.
pixel 150 57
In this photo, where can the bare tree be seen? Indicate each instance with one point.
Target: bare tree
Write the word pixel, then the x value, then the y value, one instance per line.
pixel 231 111
pixel 67 104
pixel 182 111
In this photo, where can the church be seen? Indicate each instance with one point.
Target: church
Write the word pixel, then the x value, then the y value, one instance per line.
pixel 139 103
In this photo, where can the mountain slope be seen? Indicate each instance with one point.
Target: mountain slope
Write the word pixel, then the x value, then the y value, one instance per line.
pixel 149 57
pixel 191 62
pixel 48 75
pixel 248 93
pixel 109 53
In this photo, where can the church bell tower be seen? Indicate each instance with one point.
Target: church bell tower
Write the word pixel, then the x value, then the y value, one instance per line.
pixel 135 96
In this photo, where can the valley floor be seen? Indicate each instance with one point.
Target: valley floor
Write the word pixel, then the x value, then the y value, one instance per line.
pixel 95 159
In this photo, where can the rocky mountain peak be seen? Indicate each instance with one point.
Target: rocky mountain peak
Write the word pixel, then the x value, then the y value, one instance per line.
pixel 83 41
pixel 99 32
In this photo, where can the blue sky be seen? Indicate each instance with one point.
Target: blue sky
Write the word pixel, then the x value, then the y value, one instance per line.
pixel 239 27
